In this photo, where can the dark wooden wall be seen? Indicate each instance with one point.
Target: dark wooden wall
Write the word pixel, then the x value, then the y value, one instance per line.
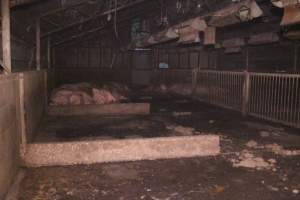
pixel 91 62
pixel 277 57
pixel 94 62
pixel 265 58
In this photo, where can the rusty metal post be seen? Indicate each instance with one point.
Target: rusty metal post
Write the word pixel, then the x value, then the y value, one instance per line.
pixel 246 93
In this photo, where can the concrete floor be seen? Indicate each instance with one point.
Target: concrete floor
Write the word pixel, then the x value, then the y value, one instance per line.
pixel 248 167
pixel 205 178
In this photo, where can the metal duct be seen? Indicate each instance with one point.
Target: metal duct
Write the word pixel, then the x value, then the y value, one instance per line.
pixel 238 12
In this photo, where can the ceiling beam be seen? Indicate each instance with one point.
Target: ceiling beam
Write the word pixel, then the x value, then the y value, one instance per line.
pixel 50 22
pixel 80 35
pixel 62 9
pixel 15 3
pixel 102 27
pixel 58 30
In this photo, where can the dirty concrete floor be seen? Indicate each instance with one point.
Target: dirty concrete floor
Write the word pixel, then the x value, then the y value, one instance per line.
pixel 231 175
pixel 195 179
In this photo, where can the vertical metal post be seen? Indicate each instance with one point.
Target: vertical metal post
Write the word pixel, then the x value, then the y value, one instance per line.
pixel 6 42
pixel 77 57
pixel 53 57
pixel 99 66
pixel 199 61
pixel 49 52
pixel 88 54
pixel 295 56
pixel 38 45
pixel 246 93
pixel 247 58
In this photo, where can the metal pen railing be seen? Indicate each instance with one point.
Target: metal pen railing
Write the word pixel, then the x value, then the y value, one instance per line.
pixel 275 97
pixel 269 96
pixel 220 88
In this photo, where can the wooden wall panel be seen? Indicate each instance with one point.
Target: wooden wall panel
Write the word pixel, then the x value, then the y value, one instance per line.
pixel 92 64
pixel 107 58
pixel 94 57
pixel 181 58
pixel 83 60
pixel 263 58
pixel 72 62
pixel 194 59
pixel 94 75
pixel 273 57
pixel 172 76
pixel 184 59
pixel 173 59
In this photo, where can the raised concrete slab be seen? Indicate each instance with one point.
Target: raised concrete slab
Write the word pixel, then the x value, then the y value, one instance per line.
pixel 109 109
pixel 102 151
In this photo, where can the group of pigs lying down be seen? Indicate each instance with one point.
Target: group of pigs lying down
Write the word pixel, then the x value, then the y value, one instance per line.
pixel 87 94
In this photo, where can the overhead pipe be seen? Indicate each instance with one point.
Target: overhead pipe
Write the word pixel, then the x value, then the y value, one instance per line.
pixel 14 3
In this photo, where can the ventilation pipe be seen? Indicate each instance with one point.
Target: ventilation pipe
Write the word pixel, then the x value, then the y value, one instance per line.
pixel 14 3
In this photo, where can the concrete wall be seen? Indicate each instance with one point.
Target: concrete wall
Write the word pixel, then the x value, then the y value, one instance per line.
pixel 51 83
pixel 35 96
pixel 9 130
pixel 22 105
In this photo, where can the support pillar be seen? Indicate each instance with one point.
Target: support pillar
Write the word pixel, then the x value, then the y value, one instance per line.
pixel 296 52
pixel 49 50
pixel 246 93
pixel 38 45
pixel 6 41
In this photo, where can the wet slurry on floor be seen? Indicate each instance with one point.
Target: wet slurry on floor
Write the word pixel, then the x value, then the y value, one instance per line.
pixel 167 113
pixel 259 160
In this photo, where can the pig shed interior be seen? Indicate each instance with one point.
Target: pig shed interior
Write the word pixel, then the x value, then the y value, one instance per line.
pixel 150 99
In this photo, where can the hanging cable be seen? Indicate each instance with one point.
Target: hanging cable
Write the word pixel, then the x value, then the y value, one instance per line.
pixel 114 57
pixel 115 20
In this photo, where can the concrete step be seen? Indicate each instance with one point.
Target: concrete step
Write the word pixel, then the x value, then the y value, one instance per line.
pixel 103 151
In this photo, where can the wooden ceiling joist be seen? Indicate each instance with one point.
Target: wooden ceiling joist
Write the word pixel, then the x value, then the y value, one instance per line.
pixel 102 28
pixel 50 22
pixel 58 30
pixel 14 3
pixel 80 35
pixel 55 11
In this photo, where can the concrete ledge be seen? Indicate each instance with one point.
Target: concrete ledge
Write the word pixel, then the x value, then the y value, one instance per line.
pixel 109 109
pixel 102 151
